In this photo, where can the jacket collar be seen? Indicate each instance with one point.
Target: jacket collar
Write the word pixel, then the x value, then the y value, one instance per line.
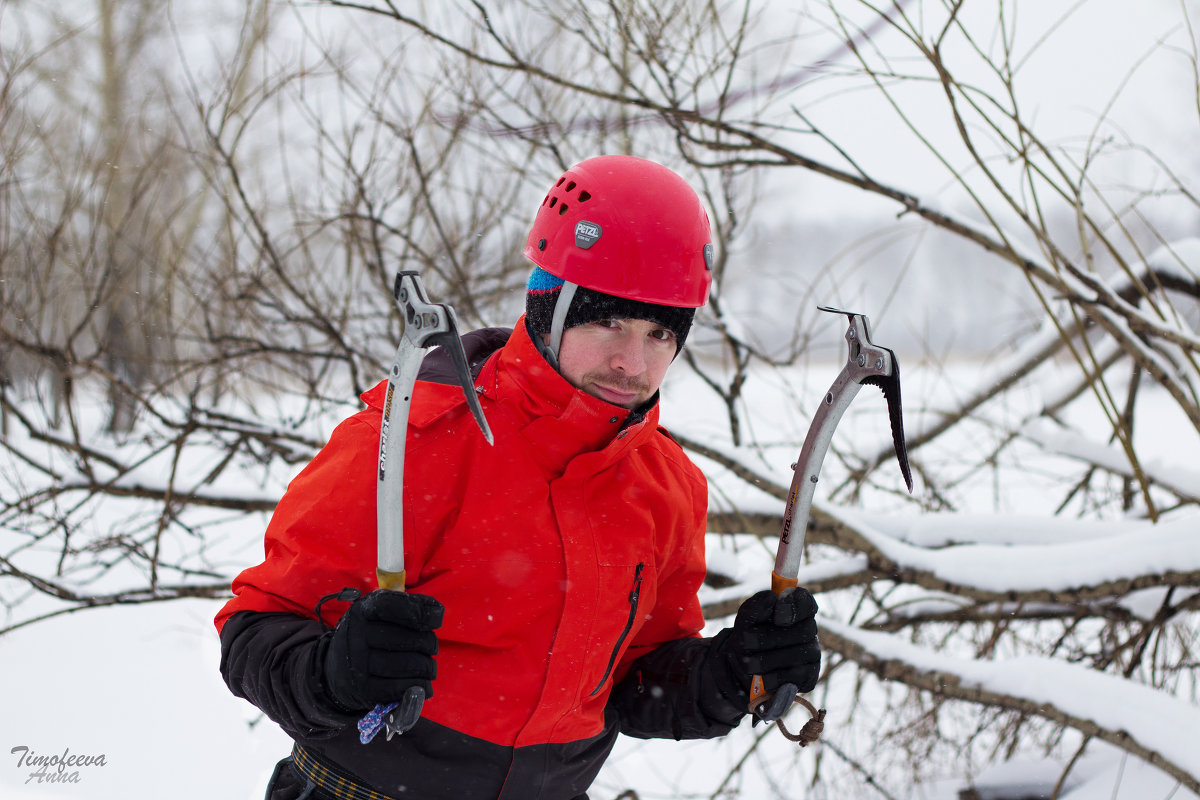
pixel 558 418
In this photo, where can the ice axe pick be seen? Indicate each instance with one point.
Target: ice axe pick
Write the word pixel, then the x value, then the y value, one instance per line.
pixel 425 325
pixel 866 363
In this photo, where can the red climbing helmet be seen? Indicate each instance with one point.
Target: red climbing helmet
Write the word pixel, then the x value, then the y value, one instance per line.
pixel 627 227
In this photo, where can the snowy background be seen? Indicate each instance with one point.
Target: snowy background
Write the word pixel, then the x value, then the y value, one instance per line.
pixel 138 684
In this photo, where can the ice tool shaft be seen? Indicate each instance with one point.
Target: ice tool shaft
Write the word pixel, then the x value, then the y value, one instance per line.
pixel 866 363
pixel 425 325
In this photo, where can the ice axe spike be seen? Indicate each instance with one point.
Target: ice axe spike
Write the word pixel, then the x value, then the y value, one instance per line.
pixel 425 325
pixel 866 363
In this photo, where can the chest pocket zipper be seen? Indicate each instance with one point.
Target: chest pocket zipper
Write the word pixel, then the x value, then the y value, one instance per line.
pixel 634 594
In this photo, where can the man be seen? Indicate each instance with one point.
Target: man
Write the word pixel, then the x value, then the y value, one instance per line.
pixel 553 577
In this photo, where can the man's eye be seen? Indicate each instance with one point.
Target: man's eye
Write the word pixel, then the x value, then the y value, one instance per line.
pixel 662 334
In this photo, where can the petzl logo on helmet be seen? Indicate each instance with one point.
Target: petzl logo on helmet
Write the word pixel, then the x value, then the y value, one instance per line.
pixel 586 234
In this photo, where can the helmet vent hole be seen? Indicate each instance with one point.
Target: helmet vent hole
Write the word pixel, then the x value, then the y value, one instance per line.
pixel 560 181
pixel 571 186
pixel 553 201
pixel 562 209
pixel 584 196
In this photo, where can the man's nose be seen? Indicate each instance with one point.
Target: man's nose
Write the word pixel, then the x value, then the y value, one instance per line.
pixel 629 355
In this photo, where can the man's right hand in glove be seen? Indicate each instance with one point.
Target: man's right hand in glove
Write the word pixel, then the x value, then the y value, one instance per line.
pixel 383 645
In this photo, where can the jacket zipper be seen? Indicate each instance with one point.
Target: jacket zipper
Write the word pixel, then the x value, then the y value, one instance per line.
pixel 634 594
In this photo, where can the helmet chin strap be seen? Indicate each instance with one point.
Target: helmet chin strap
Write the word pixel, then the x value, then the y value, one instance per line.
pixel 558 322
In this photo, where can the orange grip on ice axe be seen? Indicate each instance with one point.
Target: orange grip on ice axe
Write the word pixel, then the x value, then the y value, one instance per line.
pixel 767 706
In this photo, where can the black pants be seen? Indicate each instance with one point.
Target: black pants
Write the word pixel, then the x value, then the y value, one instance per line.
pixel 288 784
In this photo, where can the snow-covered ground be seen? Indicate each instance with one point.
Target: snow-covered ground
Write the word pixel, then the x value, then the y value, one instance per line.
pixel 139 686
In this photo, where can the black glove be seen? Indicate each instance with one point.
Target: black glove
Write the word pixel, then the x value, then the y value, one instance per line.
pixel 383 645
pixel 773 637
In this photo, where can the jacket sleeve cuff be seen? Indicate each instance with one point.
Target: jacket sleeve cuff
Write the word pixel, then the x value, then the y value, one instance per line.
pixel 671 693
pixel 274 660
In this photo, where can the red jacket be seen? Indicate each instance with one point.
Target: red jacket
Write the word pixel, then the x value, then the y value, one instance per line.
pixel 561 553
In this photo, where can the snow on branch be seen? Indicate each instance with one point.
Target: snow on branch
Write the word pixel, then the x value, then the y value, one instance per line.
pixel 1134 717
pixel 1146 556
pixel 1183 482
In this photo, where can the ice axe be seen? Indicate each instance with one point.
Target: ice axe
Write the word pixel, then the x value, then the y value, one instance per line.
pixel 425 325
pixel 866 363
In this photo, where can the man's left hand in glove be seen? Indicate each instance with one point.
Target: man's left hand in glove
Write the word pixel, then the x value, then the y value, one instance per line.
pixel 775 637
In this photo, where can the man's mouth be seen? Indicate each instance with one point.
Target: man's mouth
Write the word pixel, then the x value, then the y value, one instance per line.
pixel 621 395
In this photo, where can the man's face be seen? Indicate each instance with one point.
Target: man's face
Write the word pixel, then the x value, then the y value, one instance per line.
pixel 622 361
